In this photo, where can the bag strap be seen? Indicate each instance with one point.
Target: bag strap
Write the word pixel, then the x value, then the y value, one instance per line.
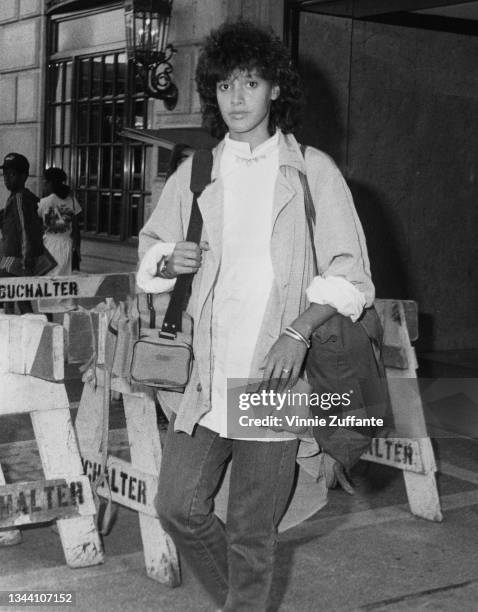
pixel 200 177
pixel 309 209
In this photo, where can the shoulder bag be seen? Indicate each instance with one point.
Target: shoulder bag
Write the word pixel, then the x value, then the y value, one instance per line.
pixel 163 355
pixel 345 358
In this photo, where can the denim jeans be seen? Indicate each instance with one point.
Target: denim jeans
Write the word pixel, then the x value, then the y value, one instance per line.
pixel 234 562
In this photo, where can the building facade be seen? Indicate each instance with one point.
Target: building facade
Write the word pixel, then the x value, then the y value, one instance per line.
pixel 390 91
pixel 67 93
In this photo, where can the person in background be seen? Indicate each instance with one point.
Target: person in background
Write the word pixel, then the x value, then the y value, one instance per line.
pixel 22 232
pixel 59 211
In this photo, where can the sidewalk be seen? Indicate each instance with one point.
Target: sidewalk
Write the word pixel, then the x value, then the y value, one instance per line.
pixel 358 553
pixel 365 552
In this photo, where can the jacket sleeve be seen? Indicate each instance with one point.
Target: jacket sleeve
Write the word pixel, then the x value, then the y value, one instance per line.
pixel 344 279
pixel 160 233
pixel 22 226
pixel 165 223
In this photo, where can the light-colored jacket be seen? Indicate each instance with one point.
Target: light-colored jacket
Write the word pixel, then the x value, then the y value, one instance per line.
pixel 339 242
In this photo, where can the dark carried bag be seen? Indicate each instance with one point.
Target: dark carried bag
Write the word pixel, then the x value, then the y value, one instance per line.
pixel 345 358
pixel 163 355
pixel 44 263
pixel 37 266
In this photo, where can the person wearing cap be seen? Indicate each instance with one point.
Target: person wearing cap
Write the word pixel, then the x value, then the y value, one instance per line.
pixel 22 231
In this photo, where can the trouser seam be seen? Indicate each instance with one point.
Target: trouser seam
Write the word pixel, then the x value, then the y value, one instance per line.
pixel 211 562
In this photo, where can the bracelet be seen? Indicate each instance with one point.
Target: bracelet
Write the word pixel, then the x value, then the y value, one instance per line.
pixel 296 335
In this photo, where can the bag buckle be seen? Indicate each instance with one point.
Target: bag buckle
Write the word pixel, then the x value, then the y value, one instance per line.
pixel 168 335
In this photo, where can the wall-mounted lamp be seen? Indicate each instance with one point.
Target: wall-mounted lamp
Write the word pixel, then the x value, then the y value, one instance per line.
pixel 147 25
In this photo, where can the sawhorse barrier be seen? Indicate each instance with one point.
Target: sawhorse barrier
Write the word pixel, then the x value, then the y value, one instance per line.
pixel 31 379
pixel 132 484
pixel 411 451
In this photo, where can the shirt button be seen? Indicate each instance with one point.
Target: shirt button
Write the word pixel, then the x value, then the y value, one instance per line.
pixel 199 388
pixel 333 338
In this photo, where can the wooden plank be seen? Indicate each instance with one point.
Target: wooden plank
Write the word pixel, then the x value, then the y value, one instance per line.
pixel 21 394
pixel 395 357
pixel 159 550
pixel 48 362
pixel 16 346
pixel 8 537
pixel 32 346
pixel 60 458
pixel 81 542
pixel 396 342
pixel 402 453
pixel 129 486
pixel 117 285
pixel 422 489
pixel 408 414
pixel 410 308
pixel 5 344
pixel 103 319
pixel 79 334
pixel 25 503
pixel 407 405
pixel 89 419
pixel 160 554
pixel 423 496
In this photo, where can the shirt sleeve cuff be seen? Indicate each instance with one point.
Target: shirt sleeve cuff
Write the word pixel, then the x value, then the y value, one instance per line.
pixel 338 292
pixel 146 278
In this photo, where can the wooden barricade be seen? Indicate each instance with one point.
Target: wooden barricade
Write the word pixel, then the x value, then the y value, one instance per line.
pixel 411 449
pixel 31 379
pixel 132 484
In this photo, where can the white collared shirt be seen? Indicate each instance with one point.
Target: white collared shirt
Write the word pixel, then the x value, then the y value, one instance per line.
pixel 246 275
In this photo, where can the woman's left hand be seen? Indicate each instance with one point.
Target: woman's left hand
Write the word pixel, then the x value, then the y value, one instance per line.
pixel 283 363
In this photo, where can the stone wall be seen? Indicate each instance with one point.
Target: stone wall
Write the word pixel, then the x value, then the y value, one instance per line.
pixel 22 89
pixel 21 83
pixel 396 108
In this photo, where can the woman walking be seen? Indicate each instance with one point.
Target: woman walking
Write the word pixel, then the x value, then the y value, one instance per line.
pixel 256 300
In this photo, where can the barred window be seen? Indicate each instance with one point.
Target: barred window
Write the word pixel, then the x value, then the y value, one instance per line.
pixel 91 97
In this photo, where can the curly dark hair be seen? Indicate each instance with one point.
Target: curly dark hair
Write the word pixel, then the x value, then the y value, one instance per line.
pixel 57 177
pixel 241 45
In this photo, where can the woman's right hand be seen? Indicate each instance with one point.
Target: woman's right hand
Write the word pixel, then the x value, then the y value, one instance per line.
pixel 185 259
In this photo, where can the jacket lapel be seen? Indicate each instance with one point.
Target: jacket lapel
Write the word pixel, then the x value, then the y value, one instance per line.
pixel 284 214
pixel 283 194
pixel 290 161
pixel 211 206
